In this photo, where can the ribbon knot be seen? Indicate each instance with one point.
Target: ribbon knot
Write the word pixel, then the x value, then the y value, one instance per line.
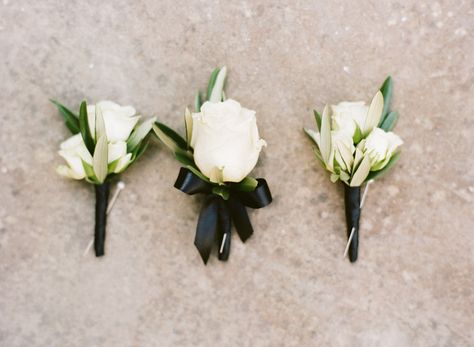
pixel 216 216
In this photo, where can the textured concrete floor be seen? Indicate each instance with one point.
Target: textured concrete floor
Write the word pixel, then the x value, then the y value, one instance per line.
pixel 288 285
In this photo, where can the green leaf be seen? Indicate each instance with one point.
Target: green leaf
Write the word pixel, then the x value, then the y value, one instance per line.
pixel 113 165
pixel 139 133
pixel 212 81
pixel 386 89
pixel 312 135
pixel 188 122
pixel 325 142
pixel 221 191
pixel 99 160
pixel 248 184
pixel 317 117
pixel 197 102
pixel 361 174
pixel 71 119
pixel 184 159
pixel 169 137
pixel 375 174
pixel 139 150
pixel 357 135
pixel 217 89
pixel 84 127
pixel 374 114
pixel 389 121
pixel 88 170
pixel 198 173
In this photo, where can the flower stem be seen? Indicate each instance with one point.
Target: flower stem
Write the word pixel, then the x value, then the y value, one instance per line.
pixel 101 202
pixel 352 205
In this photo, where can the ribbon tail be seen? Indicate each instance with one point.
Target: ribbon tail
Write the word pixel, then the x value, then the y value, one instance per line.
pixel 352 206
pixel 207 227
pixel 240 218
pixel 225 227
pixel 101 202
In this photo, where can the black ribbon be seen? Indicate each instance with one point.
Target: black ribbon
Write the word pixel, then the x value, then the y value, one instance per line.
pixel 352 204
pixel 101 202
pixel 216 217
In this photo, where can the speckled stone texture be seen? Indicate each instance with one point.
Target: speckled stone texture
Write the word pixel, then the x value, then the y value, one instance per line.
pixel 289 285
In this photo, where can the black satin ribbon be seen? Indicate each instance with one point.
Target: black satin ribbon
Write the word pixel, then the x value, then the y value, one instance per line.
pixel 216 216
pixel 101 203
pixel 352 205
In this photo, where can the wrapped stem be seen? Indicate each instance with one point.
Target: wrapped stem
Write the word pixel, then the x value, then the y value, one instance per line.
pixel 352 205
pixel 101 202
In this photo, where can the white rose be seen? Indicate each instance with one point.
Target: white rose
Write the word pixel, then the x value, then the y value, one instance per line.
pixel 225 138
pixel 74 151
pixel 380 146
pixel 347 115
pixel 119 120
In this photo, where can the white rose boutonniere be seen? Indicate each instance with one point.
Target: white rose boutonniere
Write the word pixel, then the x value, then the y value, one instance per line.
pixel 356 145
pixel 106 140
pixel 221 148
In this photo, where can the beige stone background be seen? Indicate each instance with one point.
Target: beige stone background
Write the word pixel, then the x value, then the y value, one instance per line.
pixel 289 284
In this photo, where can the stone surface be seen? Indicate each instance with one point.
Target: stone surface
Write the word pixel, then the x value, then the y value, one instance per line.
pixel 289 284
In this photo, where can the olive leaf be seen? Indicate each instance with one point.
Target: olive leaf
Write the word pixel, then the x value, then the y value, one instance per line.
pixel 71 119
pixel 389 121
pixel 169 137
pixel 188 122
pixel 139 133
pixel 197 102
pixel 387 90
pixel 212 81
pixel 84 127
pixel 374 113
pixel 100 158
pixel 325 143
pixel 361 174
pixel 216 92
pixel 313 135
pixel 317 117
pixel 198 173
pixel 221 191
pixel 248 184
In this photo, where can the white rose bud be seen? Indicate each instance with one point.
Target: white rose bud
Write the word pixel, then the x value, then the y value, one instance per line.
pixel 225 138
pixel 347 115
pixel 380 146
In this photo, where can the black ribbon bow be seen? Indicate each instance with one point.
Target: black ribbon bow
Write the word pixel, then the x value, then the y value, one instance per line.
pixel 214 224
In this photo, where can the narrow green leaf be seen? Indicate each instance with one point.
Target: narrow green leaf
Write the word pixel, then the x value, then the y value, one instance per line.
pixel 188 121
pixel 71 119
pixel 386 89
pixel 100 158
pixel 212 81
pixel 139 133
pixel 374 114
pixel 88 170
pixel 169 137
pixel 313 135
pixel 248 184
pixel 197 102
pixel 357 135
pixel 389 121
pixel 376 174
pixel 361 174
pixel 84 127
pixel 317 117
pixel 217 89
pixel 184 159
pixel 325 142
pixel 139 150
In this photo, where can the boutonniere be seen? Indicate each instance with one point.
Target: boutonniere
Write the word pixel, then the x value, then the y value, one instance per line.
pixel 107 138
pixel 356 145
pixel 220 149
